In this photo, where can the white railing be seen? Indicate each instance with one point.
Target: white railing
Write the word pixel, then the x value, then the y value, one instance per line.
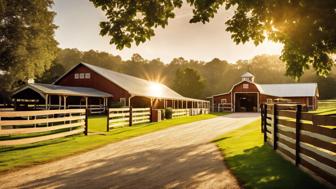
pixel 180 113
pixel 119 117
pixel 55 124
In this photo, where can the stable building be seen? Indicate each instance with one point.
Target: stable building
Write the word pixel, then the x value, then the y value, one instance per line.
pixel 247 96
pixel 85 85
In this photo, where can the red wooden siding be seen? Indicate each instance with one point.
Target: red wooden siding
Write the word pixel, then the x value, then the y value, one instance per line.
pixel 96 81
pixel 252 88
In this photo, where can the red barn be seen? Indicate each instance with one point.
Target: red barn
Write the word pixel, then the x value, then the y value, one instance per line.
pixel 86 84
pixel 246 96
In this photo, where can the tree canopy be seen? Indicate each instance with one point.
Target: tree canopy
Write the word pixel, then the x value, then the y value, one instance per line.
pixel 188 82
pixel 307 28
pixel 27 44
pixel 217 75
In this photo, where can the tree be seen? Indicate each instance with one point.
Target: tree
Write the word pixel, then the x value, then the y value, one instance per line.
pixel 307 28
pixel 188 82
pixel 27 44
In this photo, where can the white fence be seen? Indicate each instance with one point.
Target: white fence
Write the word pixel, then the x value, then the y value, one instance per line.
pixel 39 125
pixel 180 113
pixel 128 116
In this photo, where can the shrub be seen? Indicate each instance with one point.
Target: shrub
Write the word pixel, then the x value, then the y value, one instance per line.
pixel 168 113
pixel 116 105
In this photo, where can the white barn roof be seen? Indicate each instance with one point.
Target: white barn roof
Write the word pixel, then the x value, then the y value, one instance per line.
pixel 247 74
pixel 289 90
pixel 51 89
pixel 135 86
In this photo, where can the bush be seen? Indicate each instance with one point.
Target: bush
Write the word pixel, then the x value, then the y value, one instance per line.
pixel 116 105
pixel 168 113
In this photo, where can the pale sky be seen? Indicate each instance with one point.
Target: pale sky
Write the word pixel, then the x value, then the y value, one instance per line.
pixel 78 22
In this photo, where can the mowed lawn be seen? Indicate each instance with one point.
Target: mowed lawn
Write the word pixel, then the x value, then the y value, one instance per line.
pixel 37 153
pixel 326 107
pixel 256 165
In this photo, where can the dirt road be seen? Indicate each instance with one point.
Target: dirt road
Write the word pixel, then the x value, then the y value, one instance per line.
pixel 178 157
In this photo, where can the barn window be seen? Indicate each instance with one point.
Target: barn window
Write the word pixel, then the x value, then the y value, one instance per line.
pixel 123 101
pixel 87 76
pixel 269 101
pixel 81 76
pixel 223 101
pixel 245 86
pixel 76 76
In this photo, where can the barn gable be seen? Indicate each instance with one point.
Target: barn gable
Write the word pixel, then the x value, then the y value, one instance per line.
pixel 235 99
pixel 82 76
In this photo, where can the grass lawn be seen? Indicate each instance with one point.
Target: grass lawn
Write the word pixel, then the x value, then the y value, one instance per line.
pixel 37 153
pixel 257 165
pixel 326 107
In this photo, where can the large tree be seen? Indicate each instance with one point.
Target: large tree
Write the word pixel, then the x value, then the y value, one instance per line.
pixel 307 28
pixel 188 82
pixel 27 44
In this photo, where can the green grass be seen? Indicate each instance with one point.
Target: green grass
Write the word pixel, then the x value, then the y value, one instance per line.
pixel 257 165
pixel 37 153
pixel 326 107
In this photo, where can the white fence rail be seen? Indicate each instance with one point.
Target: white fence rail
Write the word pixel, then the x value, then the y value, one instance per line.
pixel 39 125
pixel 118 117
pixel 141 115
pixel 180 113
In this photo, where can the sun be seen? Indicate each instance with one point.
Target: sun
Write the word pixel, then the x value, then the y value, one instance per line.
pixel 155 89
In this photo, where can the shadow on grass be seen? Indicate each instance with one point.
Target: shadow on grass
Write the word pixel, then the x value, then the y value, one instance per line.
pixel 38 144
pixel 262 168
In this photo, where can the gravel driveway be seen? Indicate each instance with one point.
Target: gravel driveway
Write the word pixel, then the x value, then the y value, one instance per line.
pixel 178 157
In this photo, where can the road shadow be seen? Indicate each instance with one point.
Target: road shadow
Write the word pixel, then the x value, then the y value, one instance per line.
pixel 155 168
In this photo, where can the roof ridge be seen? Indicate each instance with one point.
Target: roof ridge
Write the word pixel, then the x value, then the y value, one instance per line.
pixel 109 70
pixel 286 83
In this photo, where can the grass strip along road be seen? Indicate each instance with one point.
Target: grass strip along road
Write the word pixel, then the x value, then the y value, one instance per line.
pixel 257 165
pixel 26 155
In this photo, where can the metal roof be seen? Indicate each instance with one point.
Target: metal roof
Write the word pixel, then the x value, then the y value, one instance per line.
pixel 282 90
pixel 289 89
pixel 51 89
pixel 136 86
pixel 247 74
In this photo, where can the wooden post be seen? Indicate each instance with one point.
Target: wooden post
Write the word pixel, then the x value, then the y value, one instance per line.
pixel 86 121
pixel 275 126
pixel 151 114
pixel 298 134
pixel 86 102
pixel 65 103
pixel 59 102
pixel 262 117
pixel 107 112
pixel 130 116
pixel 46 101
pixel 265 123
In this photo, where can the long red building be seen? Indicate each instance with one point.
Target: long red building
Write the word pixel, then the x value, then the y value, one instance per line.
pixel 85 85
pixel 246 95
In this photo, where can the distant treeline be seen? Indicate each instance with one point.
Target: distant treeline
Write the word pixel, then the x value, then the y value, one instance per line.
pixel 192 78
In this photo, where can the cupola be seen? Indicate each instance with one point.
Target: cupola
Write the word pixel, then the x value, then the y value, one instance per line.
pixel 247 77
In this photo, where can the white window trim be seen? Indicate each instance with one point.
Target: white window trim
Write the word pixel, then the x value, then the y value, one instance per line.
pixel 245 86
pixel 76 76
pixel 87 75
pixel 81 76
pixel 223 100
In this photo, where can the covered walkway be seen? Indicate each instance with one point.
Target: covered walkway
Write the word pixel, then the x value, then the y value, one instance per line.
pixel 49 96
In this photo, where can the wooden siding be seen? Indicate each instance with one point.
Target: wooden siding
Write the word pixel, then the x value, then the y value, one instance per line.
pixel 311 102
pixel 96 81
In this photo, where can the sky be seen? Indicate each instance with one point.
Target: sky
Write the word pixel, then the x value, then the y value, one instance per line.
pixel 78 27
